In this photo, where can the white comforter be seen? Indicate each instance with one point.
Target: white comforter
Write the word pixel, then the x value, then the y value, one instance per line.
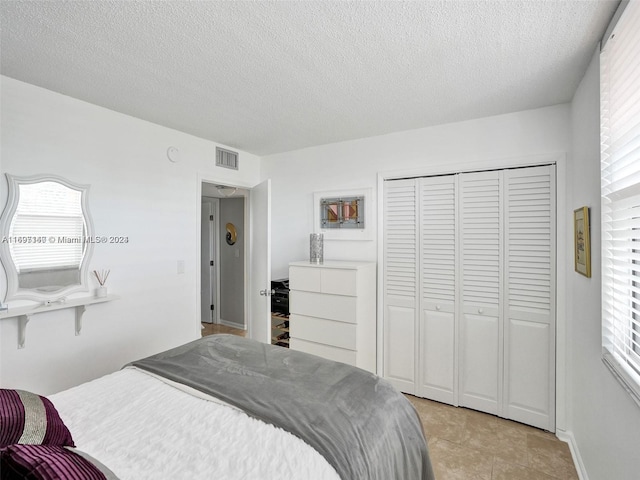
pixel 143 428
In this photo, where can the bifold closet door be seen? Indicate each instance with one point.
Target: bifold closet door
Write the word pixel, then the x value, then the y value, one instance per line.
pixel 529 327
pixel 400 339
pixel 437 247
pixel 469 290
pixel 481 264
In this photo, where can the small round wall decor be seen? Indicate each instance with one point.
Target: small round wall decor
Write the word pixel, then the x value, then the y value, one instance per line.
pixel 232 235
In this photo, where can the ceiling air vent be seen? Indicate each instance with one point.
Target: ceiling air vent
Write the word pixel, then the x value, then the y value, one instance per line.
pixel 226 158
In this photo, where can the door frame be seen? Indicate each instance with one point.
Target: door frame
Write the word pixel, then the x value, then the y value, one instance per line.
pixel 563 247
pixel 205 178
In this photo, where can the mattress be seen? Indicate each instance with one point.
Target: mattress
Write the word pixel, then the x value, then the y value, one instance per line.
pixel 142 427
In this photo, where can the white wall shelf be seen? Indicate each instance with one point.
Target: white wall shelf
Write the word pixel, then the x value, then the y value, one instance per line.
pixel 23 314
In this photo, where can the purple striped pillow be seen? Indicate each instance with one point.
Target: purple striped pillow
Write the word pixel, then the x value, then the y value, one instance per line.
pixel 27 418
pixel 46 462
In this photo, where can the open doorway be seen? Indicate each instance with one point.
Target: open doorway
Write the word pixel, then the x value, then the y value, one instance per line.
pixel 255 239
pixel 222 259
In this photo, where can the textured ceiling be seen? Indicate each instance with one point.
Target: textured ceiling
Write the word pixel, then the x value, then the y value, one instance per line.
pixel 268 77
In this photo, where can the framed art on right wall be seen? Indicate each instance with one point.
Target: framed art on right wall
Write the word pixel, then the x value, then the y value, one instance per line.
pixel 582 241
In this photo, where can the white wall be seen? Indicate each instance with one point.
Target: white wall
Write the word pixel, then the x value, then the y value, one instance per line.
pixel 232 263
pixel 354 164
pixel 604 420
pixel 135 192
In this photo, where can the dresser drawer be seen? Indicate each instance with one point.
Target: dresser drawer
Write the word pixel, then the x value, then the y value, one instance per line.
pixel 332 307
pixel 338 281
pixel 305 278
pixel 320 330
pixel 324 351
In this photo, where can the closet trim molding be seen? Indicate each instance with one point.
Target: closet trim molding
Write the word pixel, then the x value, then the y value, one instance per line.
pixel 480 165
pixel 449 166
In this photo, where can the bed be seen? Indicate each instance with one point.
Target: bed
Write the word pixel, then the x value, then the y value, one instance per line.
pixel 226 407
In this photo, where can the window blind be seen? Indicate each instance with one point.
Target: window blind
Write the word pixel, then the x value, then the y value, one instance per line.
pixel 48 228
pixel 620 176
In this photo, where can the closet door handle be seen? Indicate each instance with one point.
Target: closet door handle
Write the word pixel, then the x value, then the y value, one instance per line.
pixel 437 307
pixel 480 311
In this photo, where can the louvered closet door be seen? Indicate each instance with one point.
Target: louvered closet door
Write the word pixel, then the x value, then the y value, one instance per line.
pixel 400 284
pixel 438 288
pixel 529 375
pixel 480 212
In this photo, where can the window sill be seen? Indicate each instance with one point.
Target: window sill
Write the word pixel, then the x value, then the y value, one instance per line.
pixel 623 375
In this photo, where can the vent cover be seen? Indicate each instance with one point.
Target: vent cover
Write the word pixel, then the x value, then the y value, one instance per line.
pixel 226 158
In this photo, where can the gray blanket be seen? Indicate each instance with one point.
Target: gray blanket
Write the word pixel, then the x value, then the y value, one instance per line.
pixel 362 426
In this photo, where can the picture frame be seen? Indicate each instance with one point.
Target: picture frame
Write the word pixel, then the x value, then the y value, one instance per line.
pixel 582 241
pixel 365 208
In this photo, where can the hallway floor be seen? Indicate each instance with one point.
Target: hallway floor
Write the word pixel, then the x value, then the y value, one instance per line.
pixel 212 328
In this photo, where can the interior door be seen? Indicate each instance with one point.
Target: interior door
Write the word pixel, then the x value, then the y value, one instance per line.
pixel 207 276
pixel 400 342
pixel 260 262
pixel 437 352
pixel 530 232
pixel 481 329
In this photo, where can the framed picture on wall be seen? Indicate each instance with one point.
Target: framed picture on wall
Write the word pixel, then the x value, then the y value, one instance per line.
pixel 344 214
pixel 582 241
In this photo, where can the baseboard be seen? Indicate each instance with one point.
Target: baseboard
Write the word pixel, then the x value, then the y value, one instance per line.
pixel 575 453
pixel 231 324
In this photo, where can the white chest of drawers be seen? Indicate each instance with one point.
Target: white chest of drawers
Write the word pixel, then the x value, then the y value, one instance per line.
pixel 333 311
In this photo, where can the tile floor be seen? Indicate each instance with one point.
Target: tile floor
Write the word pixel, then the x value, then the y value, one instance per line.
pixel 469 445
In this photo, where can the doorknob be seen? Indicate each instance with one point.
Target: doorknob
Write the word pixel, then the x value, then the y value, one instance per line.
pixel 266 292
